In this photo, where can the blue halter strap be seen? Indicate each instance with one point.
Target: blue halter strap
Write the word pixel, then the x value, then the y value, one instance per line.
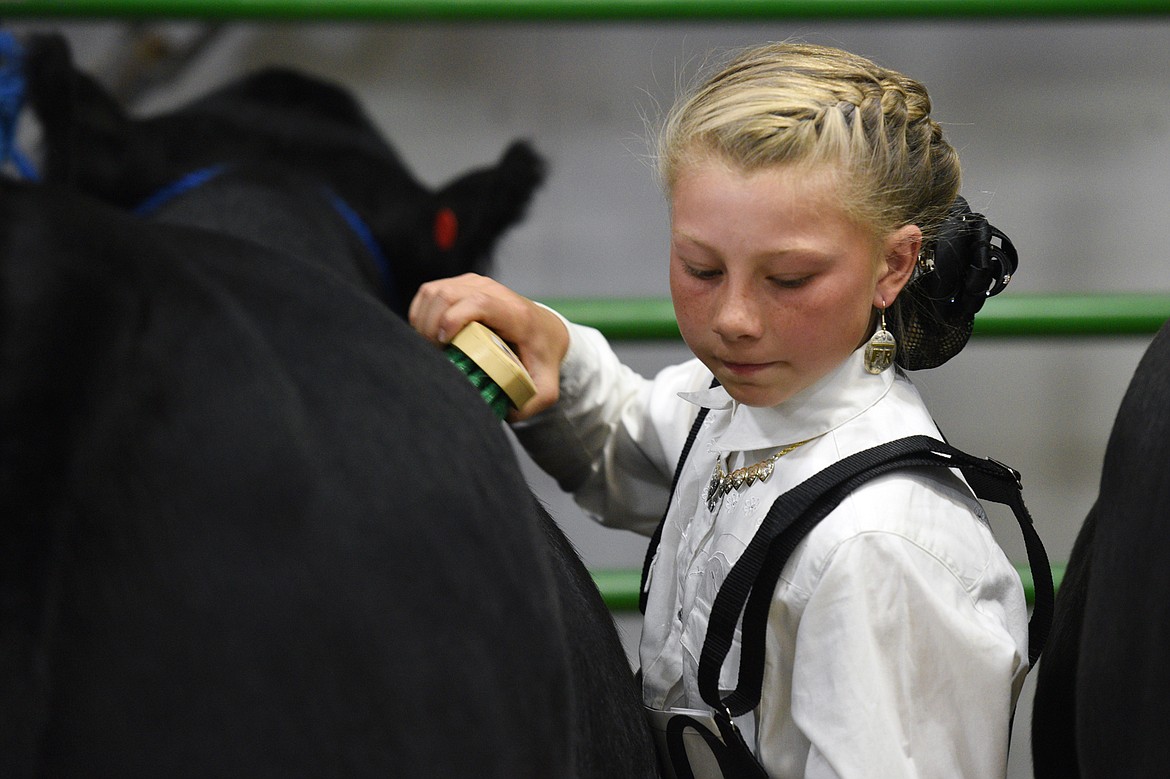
pixel 11 103
pixel 191 181
pixel 364 234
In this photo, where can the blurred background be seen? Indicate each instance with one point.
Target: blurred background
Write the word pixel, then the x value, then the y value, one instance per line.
pixel 1063 126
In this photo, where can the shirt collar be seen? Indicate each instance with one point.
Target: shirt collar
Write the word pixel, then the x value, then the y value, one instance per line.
pixel 834 400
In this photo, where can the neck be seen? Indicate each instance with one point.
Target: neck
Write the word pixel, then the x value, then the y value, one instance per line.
pixel 285 214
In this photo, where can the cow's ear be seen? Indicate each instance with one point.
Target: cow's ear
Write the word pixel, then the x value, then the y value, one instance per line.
pixel 293 92
pixel 473 211
pixel 76 114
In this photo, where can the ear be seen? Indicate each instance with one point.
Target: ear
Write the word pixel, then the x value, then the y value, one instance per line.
pixel 295 94
pixel 901 249
pixel 472 212
pixel 76 114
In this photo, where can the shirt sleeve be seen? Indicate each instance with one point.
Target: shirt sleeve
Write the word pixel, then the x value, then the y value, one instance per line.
pixel 897 670
pixel 613 437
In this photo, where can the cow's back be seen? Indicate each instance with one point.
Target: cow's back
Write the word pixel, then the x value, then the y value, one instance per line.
pixel 272 533
pixel 1104 702
pixel 1123 696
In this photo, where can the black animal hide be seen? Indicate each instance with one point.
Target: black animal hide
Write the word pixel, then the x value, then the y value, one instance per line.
pixel 1103 689
pixel 253 524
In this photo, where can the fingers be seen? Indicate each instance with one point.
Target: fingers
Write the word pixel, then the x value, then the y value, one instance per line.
pixel 442 308
pixel 541 350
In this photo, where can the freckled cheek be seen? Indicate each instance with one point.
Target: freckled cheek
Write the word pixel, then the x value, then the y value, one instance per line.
pixel 845 327
pixel 812 327
pixel 789 316
pixel 691 322
pixel 689 308
pixel 695 327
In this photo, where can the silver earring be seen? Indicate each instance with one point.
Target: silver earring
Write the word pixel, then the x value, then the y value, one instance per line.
pixel 880 351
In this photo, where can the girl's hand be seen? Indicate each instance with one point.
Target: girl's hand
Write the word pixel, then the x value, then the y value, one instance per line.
pixel 442 308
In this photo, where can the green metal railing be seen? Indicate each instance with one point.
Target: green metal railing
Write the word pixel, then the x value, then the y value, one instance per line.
pixel 619 586
pixel 1013 315
pixel 579 10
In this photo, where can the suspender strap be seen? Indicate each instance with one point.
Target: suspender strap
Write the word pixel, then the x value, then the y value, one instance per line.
pixel 752 580
pixel 735 759
pixel 652 549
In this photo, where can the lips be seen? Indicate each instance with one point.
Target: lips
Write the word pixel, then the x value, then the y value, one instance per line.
pixel 745 368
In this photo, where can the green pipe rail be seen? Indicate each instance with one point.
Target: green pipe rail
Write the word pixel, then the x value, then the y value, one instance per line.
pixel 576 10
pixel 1012 315
pixel 619 587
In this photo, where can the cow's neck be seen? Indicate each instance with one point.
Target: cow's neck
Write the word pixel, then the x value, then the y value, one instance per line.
pixel 284 214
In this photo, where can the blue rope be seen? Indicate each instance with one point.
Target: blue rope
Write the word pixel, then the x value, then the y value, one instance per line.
pixel 366 236
pixel 189 182
pixel 362 230
pixel 11 103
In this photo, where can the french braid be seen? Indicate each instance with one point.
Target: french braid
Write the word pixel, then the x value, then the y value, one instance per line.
pixel 793 103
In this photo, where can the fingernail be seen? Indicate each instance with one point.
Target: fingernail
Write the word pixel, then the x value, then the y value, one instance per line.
pixel 442 335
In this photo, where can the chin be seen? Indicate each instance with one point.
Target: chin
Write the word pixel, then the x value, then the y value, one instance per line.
pixel 759 397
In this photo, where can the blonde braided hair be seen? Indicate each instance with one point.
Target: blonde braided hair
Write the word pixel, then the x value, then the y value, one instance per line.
pixel 793 103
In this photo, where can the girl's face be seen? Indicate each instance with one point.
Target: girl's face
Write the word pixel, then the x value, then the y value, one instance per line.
pixel 773 285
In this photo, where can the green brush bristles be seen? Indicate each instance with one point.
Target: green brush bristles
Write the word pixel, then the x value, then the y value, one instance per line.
pixel 491 392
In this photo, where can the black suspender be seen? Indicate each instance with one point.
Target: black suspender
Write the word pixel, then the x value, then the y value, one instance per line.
pixel 655 539
pixel 751 582
pixel 749 586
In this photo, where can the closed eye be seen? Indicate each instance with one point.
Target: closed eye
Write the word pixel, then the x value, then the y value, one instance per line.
pixel 703 274
pixel 791 283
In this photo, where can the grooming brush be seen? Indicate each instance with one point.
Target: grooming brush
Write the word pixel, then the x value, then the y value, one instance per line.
pixel 493 368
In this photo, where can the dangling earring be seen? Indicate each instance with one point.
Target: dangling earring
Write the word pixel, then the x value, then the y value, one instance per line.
pixel 880 351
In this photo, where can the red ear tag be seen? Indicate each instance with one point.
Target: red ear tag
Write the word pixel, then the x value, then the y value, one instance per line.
pixel 446 228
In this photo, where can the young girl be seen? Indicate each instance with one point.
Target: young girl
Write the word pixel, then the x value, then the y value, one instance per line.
pixel 808 188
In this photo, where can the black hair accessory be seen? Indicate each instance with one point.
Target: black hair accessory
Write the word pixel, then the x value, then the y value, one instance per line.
pixel 970 261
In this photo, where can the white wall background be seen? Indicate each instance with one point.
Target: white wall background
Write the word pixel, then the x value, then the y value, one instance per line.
pixel 1063 127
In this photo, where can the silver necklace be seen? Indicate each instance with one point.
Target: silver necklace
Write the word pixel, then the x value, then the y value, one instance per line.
pixel 723 483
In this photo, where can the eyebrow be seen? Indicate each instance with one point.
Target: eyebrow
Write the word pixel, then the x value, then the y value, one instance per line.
pixel 802 251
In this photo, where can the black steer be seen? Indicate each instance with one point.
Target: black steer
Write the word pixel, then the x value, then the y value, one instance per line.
pixel 252 524
pixel 1103 687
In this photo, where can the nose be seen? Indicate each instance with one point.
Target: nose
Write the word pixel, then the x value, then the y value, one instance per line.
pixel 738 314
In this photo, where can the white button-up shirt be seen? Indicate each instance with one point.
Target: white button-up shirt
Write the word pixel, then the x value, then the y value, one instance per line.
pixel 897 636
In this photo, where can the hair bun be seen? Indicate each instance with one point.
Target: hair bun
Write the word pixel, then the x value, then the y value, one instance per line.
pixel 970 261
